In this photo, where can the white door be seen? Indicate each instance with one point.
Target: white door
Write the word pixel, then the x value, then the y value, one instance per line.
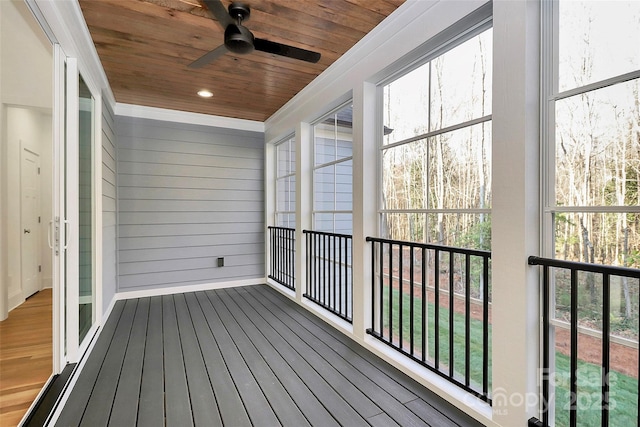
pixel 30 222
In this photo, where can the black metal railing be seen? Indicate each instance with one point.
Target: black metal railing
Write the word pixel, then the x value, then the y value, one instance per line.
pixel 431 303
pixel 282 243
pixel 578 296
pixel 329 272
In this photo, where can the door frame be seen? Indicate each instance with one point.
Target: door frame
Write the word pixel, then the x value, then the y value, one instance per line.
pixel 64 228
pixel 24 148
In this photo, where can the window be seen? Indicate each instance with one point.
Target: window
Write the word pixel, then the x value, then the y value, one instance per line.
pixel 332 172
pixel 593 114
pixel 591 143
pixel 286 183
pixel 436 147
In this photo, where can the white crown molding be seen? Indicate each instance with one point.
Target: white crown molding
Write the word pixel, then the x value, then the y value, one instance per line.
pixel 153 113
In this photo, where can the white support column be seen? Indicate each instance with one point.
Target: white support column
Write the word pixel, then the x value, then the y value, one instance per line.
pixel 515 210
pixel 269 200
pixel 304 202
pixel 365 191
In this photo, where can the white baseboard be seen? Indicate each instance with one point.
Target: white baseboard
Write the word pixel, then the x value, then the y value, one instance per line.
pixel 47 282
pixel 15 300
pixel 189 288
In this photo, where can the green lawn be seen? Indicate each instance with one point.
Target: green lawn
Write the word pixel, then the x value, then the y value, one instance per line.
pixel 459 337
pixel 623 389
pixel 623 395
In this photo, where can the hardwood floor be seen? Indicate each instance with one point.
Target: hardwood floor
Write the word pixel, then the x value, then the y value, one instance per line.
pixel 240 357
pixel 26 347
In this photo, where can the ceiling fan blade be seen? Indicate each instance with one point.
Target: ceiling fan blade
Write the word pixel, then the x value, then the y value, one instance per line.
pixel 286 50
pixel 219 12
pixel 208 57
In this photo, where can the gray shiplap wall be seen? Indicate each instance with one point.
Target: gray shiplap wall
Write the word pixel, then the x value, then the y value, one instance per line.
pixel 109 209
pixel 188 194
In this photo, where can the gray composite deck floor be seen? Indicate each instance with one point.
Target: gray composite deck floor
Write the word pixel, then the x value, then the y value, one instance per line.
pixel 240 357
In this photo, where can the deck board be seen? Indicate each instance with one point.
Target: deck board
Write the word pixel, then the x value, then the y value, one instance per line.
pixel 255 402
pixel 283 405
pixel 240 357
pixel 313 409
pixel 177 402
pixel 125 404
pixel 72 414
pixel 385 400
pixel 203 402
pixel 104 391
pixel 230 404
pixel 151 402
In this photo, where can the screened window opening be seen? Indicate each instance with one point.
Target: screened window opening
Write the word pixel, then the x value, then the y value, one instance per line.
pixel 436 149
pixel 286 183
pixel 332 172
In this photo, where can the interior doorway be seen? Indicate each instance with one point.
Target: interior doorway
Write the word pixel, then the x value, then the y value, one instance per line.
pixel 30 220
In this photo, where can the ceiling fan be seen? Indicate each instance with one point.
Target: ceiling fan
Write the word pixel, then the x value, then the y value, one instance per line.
pixel 238 38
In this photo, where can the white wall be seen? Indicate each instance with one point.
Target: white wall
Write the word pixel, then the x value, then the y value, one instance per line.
pixel 27 63
pixel 26 96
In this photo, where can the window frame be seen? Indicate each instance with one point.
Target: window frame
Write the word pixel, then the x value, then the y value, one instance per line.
pixel 335 162
pixel 550 94
pixel 460 33
pixel 291 172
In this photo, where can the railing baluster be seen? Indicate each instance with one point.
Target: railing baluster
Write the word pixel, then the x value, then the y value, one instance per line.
pixel 335 269
pixel 606 313
pixel 545 346
pixel 381 294
pixel 485 326
pixel 373 285
pixel 424 304
pixel 573 399
pixel 451 313
pixel 390 311
pixel 390 293
pixel 467 320
pixel 411 321
pixel 436 320
pixel 400 295
pixel 326 284
pixel 292 258
pixel 281 256
pixel 341 286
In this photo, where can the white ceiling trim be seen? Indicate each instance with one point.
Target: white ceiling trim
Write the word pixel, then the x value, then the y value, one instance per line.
pixel 153 113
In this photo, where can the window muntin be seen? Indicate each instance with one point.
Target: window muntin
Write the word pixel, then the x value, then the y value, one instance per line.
pixel 333 172
pixel 453 88
pixel 286 183
pixel 436 148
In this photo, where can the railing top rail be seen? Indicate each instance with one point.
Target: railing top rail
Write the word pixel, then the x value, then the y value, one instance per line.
pixel 275 227
pixel 583 266
pixel 453 249
pixel 324 233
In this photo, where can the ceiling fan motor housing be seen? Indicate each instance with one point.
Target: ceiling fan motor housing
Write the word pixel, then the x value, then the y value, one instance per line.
pixel 237 38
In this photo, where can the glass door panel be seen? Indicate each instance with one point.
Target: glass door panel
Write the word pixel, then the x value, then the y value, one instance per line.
pixel 86 276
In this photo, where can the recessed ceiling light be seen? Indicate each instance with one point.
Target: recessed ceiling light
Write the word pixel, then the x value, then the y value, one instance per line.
pixel 205 93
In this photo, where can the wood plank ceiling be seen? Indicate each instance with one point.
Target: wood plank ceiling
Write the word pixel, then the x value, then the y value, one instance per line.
pixel 145 47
